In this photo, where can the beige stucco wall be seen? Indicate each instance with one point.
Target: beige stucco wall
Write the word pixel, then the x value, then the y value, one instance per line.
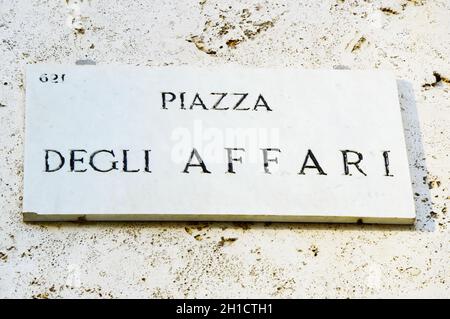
pixel 410 38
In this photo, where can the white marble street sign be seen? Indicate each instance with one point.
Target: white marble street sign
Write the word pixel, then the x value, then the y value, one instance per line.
pixel 139 143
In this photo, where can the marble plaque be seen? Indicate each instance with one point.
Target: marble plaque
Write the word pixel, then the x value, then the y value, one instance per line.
pixel 229 143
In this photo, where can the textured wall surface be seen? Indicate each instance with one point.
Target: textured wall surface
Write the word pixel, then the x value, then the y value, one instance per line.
pixel 409 37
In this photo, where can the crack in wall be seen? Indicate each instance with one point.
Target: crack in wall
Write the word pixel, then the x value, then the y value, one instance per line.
pixel 438 78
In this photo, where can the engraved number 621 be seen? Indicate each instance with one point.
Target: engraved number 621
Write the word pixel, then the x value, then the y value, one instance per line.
pixel 52 78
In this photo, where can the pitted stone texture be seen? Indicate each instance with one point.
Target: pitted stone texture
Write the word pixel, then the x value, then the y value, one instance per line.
pixel 232 259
